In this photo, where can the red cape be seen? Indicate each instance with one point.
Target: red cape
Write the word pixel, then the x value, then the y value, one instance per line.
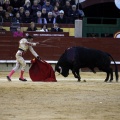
pixel 41 71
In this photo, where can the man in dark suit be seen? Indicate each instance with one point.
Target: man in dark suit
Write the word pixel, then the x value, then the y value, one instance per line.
pixel 61 18
pixel 56 28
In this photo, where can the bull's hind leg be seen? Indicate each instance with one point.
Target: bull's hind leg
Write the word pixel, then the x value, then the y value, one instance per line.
pixel 107 77
pixel 109 71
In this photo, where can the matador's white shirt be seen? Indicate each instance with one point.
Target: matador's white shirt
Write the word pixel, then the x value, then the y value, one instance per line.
pixel 25 45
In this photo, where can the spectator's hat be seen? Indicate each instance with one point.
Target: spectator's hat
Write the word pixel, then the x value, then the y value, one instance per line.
pixel 73 6
pixel 27 11
pixel 38 12
pixel 21 8
pixel 50 13
pixel 43 8
pixel 27 1
pixel 61 11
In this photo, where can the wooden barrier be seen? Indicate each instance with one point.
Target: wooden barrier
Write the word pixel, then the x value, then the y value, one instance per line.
pixel 53 34
pixel 37 34
pixel 8 24
pixel 50 48
pixel 6 33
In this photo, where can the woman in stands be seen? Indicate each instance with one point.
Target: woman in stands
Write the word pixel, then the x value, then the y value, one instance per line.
pixel 44 28
pixel 55 11
pixel 32 27
pixel 17 18
pixel 18 33
pixel 2 12
pixel 6 4
pixel 21 11
pixel 7 17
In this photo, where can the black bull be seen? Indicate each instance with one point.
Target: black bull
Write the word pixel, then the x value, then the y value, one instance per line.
pixel 75 58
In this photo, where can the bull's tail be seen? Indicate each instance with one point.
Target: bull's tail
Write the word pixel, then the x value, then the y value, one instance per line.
pixel 116 68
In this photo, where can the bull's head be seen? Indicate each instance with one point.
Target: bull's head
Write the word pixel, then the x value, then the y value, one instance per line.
pixel 62 70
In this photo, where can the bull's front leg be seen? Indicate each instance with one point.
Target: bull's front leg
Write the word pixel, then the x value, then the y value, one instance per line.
pixel 76 74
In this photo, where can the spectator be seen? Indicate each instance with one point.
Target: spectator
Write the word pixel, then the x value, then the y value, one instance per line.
pixel 2 11
pixel 79 6
pixel 55 11
pixel 62 2
pixel 74 14
pixel 48 6
pixel 66 8
pixel 22 2
pixel 17 18
pixel 57 4
pixel 50 18
pixel 27 18
pixel 39 19
pixel 6 4
pixel 7 17
pixel 56 28
pixel 15 4
pixel 35 7
pixel 44 13
pixel 44 28
pixel 10 11
pixel 27 5
pixel 22 11
pixel 72 2
pixel 18 33
pixel 1 2
pixel 61 18
pixel 1 28
pixel 41 2
pixel 32 27
pixel 1 19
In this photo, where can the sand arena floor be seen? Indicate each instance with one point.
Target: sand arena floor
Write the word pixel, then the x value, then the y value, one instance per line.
pixel 66 99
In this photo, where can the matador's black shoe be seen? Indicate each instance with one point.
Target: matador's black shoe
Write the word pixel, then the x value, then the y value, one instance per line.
pixel 8 78
pixel 24 80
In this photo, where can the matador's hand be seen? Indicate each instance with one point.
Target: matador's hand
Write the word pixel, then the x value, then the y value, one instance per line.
pixel 37 43
pixel 38 57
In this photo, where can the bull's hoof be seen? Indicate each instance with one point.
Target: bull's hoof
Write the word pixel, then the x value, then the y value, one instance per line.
pixel 105 80
pixel 111 80
pixel 79 80
pixel 116 80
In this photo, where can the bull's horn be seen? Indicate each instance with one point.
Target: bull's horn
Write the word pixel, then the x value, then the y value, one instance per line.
pixel 60 69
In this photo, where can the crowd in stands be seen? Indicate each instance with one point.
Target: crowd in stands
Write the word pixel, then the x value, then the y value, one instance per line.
pixel 40 11
pixel 54 28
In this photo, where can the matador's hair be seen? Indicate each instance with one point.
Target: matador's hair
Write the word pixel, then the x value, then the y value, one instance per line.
pixel 29 37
